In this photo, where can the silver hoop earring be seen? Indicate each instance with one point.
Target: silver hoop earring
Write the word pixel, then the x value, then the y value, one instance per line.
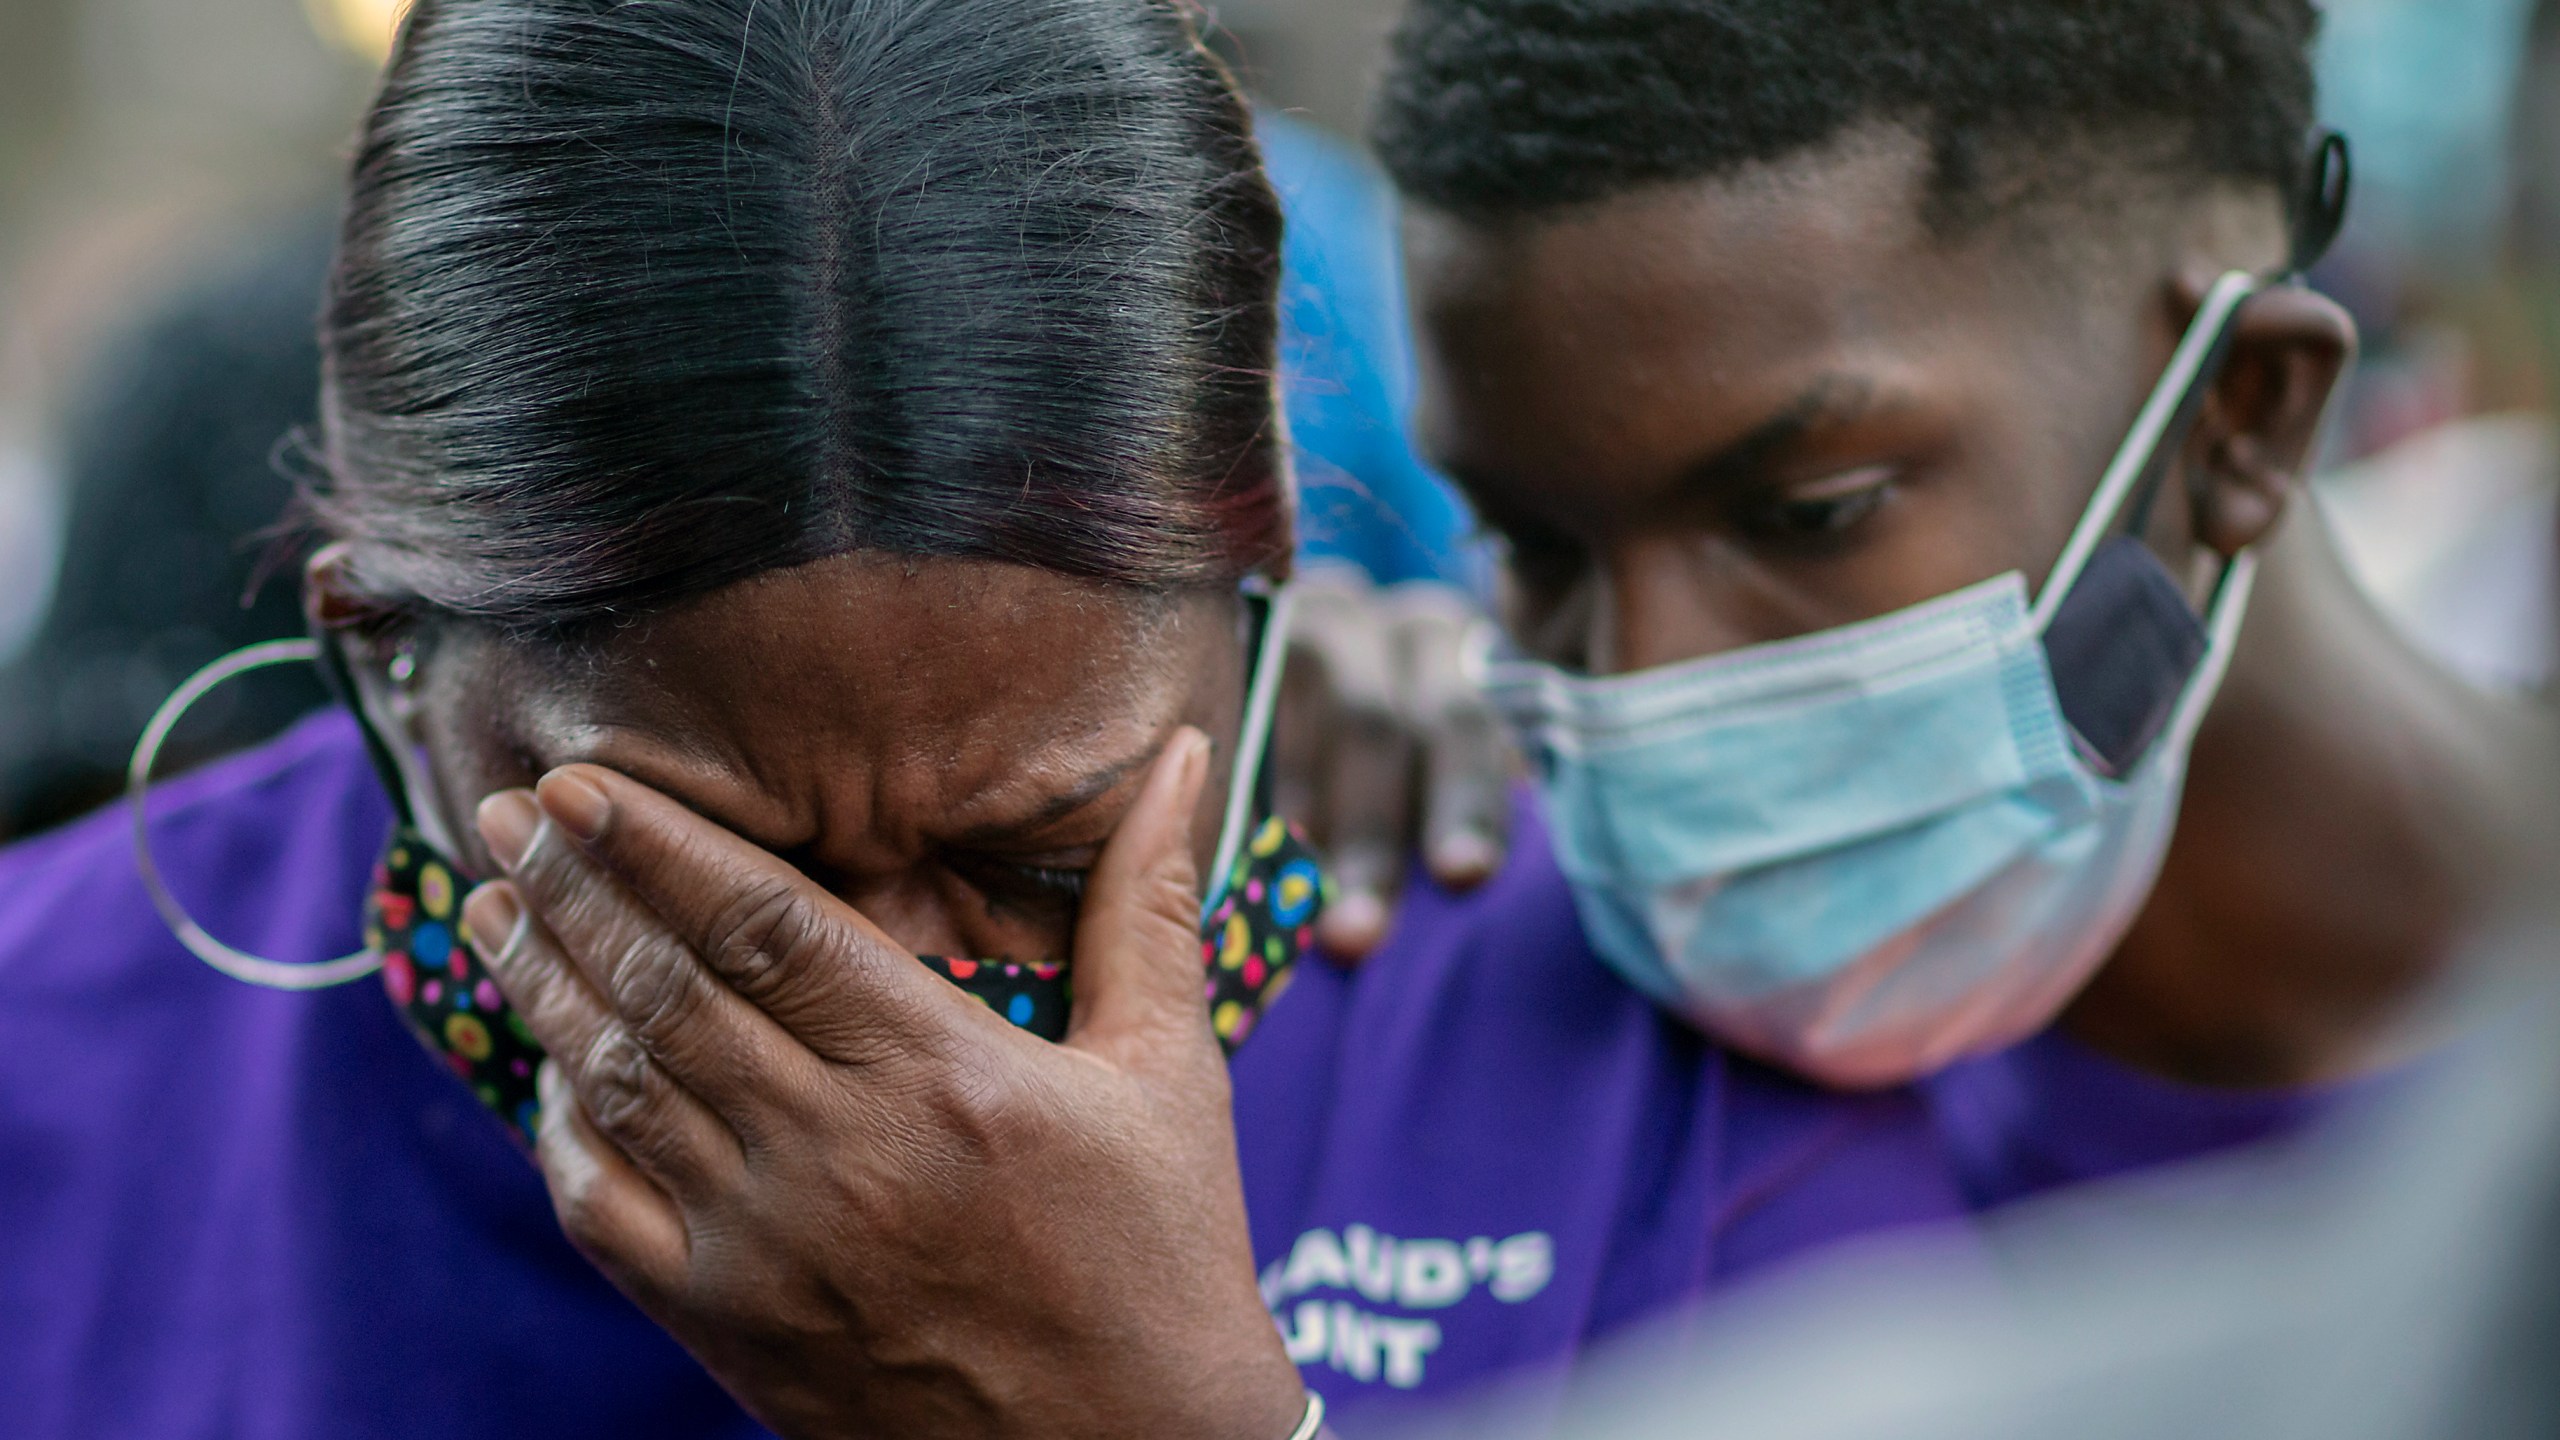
pixel 238 964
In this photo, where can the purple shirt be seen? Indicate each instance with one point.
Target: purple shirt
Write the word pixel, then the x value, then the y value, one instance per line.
pixel 227 1211
pixel 1484 1150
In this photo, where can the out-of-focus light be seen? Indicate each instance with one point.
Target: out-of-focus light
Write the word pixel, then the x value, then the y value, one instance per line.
pixel 364 28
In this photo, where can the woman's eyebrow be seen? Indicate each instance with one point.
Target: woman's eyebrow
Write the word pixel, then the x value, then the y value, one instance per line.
pixel 1058 807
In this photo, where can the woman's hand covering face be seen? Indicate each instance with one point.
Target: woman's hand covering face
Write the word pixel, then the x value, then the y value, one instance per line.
pixel 1384 749
pixel 868 1204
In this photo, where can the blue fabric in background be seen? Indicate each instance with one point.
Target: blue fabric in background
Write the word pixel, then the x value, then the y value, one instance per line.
pixel 1347 367
pixel 2424 90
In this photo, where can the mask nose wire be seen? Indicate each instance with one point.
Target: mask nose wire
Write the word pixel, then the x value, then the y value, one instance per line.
pixel 2170 410
pixel 238 964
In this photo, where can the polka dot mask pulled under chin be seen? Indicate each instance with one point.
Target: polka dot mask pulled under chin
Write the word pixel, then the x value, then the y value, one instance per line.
pixel 1250 942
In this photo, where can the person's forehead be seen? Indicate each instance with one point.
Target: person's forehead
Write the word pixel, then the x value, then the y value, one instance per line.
pixel 1848 205
pixel 928 682
pixel 1630 313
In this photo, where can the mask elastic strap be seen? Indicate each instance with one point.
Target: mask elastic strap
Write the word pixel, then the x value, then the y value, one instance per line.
pixel 238 964
pixel 2223 617
pixel 341 683
pixel 1262 701
pixel 2143 458
pixel 404 774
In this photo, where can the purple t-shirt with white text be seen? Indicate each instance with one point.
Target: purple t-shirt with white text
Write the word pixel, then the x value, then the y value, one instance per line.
pixel 226 1211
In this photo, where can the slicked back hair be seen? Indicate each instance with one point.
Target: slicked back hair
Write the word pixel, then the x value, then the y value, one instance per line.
pixel 638 298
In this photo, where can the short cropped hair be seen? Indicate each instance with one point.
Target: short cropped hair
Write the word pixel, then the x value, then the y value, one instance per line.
pixel 1496 107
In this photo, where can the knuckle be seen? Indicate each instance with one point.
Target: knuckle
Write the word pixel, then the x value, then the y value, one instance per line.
pixel 624 1087
pixel 580 1211
pixel 975 1124
pixel 763 935
pixel 657 991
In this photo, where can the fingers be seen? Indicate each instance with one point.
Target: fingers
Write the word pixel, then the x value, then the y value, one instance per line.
pixel 1345 756
pixel 647 1114
pixel 670 1003
pixel 1468 765
pixel 1466 801
pixel 1137 946
pixel 823 973
pixel 610 1211
pixel 1367 799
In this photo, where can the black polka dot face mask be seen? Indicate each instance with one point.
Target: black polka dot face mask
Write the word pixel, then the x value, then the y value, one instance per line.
pixel 1264 894
pixel 1259 920
pixel 1254 936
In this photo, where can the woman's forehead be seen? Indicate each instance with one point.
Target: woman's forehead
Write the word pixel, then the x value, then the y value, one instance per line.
pixel 965 692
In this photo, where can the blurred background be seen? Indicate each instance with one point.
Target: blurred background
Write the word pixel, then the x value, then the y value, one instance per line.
pixel 167 171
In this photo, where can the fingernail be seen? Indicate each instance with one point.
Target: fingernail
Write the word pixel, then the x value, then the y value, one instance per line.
pixel 507 822
pixel 576 803
pixel 1355 923
pixel 1464 857
pixel 494 923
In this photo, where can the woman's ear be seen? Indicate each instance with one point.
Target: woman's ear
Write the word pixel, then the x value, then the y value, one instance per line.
pixel 374 642
pixel 330 599
pixel 2253 440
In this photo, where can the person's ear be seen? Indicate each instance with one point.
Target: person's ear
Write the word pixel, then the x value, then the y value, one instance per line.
pixel 2254 438
pixel 330 599
pixel 373 636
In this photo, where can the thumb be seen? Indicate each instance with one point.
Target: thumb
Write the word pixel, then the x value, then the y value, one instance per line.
pixel 1137 951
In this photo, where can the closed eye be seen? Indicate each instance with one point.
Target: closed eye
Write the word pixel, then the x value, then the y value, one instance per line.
pixel 1823 509
pixel 1039 891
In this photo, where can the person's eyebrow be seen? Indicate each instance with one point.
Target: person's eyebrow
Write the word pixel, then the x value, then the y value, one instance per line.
pixel 1829 401
pixel 1058 807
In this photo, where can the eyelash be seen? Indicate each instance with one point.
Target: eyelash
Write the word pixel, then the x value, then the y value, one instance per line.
pixel 1004 883
pixel 1822 520
pixel 1063 884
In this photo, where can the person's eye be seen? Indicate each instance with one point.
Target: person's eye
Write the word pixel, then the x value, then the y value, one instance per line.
pixel 1062 885
pixel 1825 509
pixel 1039 889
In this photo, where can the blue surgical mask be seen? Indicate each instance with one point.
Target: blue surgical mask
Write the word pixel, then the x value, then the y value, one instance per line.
pixel 1865 853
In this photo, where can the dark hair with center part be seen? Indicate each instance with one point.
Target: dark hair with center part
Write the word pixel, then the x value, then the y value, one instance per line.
pixel 638 298
pixel 1496 107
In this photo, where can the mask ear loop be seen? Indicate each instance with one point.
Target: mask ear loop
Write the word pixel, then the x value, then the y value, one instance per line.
pixel 1262 700
pixel 2141 463
pixel 2223 616
pixel 238 964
